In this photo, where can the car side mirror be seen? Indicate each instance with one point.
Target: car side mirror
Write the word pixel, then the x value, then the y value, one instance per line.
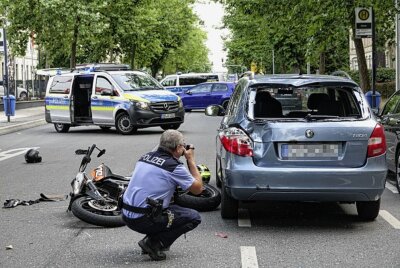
pixel 214 110
pixel 106 92
pixel 189 92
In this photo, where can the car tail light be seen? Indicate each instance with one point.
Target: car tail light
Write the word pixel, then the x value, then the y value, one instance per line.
pixel 377 142
pixel 236 141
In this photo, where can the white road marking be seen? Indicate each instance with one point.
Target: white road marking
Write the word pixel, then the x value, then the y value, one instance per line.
pixel 244 218
pixel 249 257
pixel 392 188
pixel 14 152
pixel 390 219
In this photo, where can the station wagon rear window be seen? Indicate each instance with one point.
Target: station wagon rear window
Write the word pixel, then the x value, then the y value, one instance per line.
pixel 317 102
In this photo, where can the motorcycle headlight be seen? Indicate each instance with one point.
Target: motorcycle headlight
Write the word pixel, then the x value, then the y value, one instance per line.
pixel 142 105
pixel 77 184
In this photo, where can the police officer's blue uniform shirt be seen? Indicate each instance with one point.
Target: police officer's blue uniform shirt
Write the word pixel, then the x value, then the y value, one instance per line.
pixel 156 175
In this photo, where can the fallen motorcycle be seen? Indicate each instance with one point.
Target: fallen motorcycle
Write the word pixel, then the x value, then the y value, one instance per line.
pixel 94 197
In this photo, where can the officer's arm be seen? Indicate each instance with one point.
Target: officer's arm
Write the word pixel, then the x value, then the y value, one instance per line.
pixel 197 186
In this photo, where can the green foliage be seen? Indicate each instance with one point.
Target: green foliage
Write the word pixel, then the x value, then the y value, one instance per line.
pixel 385 80
pixel 298 32
pixel 143 33
pixel 382 75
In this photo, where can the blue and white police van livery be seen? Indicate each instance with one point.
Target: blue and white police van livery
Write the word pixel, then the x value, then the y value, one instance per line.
pixel 111 96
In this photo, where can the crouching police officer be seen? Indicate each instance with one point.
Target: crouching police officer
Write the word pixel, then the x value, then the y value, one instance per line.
pixel 146 201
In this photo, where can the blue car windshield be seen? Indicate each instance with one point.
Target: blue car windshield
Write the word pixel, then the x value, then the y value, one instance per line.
pixel 136 82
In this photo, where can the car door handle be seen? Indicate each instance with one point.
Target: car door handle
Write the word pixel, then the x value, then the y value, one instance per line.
pixel 66 97
pixel 94 97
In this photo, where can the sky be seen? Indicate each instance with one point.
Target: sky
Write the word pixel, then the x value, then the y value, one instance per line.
pixel 211 13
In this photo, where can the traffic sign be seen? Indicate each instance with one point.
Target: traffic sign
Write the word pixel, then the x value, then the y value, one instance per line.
pixel 363 22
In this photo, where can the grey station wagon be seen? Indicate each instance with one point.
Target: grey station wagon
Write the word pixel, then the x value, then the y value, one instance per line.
pixel 329 149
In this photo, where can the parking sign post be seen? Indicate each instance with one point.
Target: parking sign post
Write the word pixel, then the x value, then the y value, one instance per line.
pixel 365 28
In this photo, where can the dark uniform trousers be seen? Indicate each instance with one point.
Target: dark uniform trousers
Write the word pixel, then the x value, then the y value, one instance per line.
pixel 184 220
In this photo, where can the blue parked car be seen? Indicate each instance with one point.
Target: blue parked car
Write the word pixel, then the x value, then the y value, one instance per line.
pixel 204 94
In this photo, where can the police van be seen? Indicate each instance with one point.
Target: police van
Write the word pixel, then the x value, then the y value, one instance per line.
pixel 110 95
pixel 179 83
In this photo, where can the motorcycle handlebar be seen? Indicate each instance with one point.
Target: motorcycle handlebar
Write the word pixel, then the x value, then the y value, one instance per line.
pixel 91 150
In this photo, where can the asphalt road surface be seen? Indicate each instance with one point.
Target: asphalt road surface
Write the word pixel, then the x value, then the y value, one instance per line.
pixel 273 234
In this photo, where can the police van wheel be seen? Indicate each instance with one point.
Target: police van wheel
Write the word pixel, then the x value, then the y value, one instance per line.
pixel 171 126
pixel 124 124
pixel 62 128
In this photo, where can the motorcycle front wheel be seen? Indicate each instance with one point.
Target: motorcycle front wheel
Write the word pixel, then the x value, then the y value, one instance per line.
pixel 96 212
pixel 208 200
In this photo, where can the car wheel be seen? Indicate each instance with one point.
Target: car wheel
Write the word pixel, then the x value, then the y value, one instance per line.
pixel 225 104
pixel 218 174
pixel 368 210
pixel 229 206
pixel 398 171
pixel 170 126
pixel 124 125
pixel 23 96
pixel 62 128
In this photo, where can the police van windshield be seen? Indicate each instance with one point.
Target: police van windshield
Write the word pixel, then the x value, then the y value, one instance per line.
pixel 136 82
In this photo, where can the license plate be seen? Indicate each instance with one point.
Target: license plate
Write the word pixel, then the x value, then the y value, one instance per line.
pixel 310 151
pixel 166 116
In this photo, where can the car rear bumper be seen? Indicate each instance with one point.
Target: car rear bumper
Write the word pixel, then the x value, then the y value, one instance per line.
pixel 245 181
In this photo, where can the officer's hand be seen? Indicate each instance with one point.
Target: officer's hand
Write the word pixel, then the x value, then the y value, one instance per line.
pixel 189 152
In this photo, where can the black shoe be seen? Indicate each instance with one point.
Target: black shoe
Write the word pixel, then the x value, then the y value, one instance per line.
pixel 161 249
pixel 152 248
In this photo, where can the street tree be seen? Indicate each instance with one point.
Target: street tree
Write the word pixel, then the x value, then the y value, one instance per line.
pixel 298 32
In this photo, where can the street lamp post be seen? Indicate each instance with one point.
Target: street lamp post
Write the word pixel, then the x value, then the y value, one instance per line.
pixel 5 77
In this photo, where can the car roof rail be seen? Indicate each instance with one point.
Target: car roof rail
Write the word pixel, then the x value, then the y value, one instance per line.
pixel 101 67
pixel 342 74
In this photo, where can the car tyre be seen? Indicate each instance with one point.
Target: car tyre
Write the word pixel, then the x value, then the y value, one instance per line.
pixel 229 206
pixel 368 210
pixel 218 174
pixel 62 128
pixel 124 125
pixel 23 96
pixel 398 171
pixel 225 104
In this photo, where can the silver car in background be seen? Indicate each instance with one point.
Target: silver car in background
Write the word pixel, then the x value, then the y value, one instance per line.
pixel 329 149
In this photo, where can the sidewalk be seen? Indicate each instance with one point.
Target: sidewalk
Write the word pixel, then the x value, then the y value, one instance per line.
pixel 23 119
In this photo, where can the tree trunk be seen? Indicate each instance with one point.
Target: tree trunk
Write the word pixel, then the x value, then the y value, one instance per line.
pixel 74 42
pixel 133 56
pixel 362 65
pixel 322 63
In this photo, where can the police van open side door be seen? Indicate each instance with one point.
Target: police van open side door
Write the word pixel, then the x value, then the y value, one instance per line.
pixel 105 98
pixel 58 99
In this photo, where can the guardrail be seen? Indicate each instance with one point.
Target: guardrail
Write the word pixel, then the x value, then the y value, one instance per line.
pixel 24 104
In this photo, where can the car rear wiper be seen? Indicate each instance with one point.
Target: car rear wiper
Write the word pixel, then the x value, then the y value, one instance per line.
pixel 310 117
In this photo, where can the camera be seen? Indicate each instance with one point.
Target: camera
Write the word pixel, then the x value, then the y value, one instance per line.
pixel 189 146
